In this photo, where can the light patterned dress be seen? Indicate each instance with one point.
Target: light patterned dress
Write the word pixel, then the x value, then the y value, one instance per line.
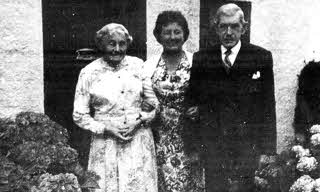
pixel 115 97
pixel 177 170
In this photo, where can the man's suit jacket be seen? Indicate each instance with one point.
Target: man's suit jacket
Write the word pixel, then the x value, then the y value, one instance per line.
pixel 236 105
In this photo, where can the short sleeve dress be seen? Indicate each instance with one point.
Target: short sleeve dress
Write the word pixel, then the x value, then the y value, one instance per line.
pixel 177 170
pixel 115 97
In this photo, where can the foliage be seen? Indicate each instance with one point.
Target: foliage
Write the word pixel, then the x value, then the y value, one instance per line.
pixel 34 154
pixel 294 170
pixel 61 182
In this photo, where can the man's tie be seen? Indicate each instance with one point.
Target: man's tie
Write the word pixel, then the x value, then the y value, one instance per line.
pixel 226 58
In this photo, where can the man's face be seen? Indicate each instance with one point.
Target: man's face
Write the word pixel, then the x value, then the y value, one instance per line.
pixel 229 30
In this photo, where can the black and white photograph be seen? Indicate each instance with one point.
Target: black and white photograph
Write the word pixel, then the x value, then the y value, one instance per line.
pixel 159 96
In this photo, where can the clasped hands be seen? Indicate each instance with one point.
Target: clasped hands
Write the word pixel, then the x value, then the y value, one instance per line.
pixel 124 130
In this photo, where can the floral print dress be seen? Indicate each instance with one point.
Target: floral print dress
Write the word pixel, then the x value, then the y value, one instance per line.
pixel 177 172
pixel 115 97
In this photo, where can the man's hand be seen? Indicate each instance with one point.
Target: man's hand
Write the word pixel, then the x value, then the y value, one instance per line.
pixel 265 160
pixel 192 113
pixel 300 138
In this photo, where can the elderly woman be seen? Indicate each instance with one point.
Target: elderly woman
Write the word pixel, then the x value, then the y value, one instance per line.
pixel 122 148
pixel 168 74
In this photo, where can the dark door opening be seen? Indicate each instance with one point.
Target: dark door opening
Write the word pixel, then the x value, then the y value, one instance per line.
pixel 69 26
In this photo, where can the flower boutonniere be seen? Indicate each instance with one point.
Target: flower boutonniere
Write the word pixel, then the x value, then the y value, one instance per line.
pixel 256 75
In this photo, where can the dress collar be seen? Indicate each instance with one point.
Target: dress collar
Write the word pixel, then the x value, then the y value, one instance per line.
pixel 106 65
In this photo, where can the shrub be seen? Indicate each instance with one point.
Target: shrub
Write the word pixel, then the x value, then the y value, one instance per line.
pixel 35 156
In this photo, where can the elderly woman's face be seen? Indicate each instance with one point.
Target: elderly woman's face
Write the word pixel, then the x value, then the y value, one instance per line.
pixel 115 47
pixel 172 37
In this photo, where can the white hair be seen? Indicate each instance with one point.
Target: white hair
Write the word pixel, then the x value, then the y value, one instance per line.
pixel 229 9
pixel 110 28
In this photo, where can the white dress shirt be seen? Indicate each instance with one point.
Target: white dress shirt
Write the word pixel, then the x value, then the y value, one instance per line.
pixel 234 52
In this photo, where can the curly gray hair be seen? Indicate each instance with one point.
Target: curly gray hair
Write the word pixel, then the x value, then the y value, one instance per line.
pixel 108 30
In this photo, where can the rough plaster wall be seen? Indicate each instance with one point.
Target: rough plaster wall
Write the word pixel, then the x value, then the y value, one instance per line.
pixel 289 29
pixel 189 8
pixel 21 64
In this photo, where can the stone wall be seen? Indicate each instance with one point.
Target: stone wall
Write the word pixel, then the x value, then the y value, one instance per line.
pixel 289 29
pixel 21 64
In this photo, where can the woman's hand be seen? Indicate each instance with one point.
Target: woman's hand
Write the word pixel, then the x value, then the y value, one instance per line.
pixel 118 133
pixel 192 113
pixel 131 126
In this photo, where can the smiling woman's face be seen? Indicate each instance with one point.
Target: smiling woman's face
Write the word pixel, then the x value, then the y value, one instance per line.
pixel 172 37
pixel 115 47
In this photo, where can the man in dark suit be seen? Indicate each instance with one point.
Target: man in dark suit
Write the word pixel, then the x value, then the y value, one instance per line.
pixel 232 86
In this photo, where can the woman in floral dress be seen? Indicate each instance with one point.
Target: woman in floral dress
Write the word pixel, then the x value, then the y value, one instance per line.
pixel 122 149
pixel 169 73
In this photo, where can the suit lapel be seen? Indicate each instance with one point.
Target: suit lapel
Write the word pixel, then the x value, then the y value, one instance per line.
pixel 215 57
pixel 244 58
pixel 239 61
